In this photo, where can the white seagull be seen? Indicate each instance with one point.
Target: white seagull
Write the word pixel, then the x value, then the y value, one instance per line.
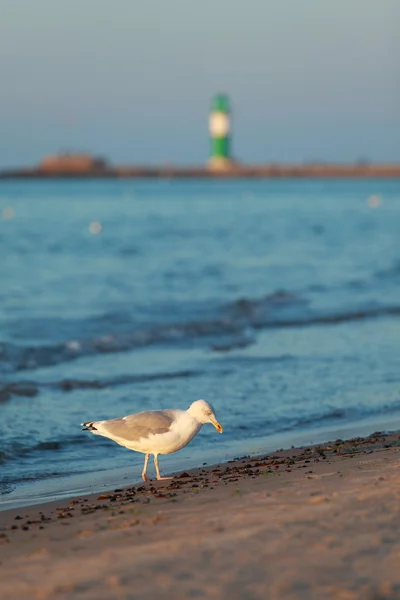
pixel 156 431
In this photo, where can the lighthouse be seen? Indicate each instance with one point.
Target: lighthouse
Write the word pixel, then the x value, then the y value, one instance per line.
pixel 220 128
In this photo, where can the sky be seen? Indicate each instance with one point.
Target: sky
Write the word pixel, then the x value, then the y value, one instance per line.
pixel 133 80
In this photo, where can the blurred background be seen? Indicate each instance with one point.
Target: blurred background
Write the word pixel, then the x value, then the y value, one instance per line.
pixel 133 80
pixel 278 300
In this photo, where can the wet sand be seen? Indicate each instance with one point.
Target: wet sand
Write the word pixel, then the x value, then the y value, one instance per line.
pixel 311 523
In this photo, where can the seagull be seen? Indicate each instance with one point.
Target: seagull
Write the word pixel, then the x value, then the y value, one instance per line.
pixel 156 431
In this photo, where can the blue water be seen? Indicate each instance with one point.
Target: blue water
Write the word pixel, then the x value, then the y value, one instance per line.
pixel 278 301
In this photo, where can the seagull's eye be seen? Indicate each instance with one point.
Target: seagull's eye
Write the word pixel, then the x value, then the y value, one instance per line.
pixel 208 413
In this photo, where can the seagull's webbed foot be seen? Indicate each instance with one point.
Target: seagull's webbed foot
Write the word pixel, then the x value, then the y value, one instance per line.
pixel 159 478
pixel 145 477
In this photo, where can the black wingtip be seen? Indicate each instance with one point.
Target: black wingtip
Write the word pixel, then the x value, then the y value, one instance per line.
pixel 88 426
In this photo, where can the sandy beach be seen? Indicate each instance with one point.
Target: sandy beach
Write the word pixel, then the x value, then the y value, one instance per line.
pixel 318 522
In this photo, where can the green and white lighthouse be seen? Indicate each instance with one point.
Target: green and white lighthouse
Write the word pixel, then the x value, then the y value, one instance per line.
pixel 220 129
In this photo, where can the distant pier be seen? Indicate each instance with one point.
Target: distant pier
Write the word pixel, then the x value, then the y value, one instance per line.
pixel 221 164
pixel 101 169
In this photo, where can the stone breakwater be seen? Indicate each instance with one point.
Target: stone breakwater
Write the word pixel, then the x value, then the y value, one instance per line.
pixel 232 171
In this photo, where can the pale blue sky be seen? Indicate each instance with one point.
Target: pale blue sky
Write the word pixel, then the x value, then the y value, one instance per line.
pixel 308 79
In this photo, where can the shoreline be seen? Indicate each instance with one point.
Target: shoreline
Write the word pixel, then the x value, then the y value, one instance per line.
pixel 300 523
pixel 44 491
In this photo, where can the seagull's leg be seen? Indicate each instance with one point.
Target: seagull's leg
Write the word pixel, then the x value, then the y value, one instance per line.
pixel 145 477
pixel 158 469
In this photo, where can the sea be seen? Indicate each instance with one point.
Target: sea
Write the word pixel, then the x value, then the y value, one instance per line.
pixel 278 301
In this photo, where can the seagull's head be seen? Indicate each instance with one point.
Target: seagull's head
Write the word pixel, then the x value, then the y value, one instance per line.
pixel 203 412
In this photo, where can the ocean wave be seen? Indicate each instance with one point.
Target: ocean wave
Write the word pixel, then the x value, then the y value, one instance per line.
pixel 342 317
pixel 231 328
pixel 21 388
pixel 315 419
pixel 282 424
pixel 6 487
pixel 259 308
pixel 334 414
pixel 32 388
pixel 390 272
pixel 14 449
pixel 72 384
pixel 11 482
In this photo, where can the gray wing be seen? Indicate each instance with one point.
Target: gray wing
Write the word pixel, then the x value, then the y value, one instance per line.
pixel 139 426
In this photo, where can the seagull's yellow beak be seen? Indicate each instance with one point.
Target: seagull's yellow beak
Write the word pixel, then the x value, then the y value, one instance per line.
pixel 217 425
